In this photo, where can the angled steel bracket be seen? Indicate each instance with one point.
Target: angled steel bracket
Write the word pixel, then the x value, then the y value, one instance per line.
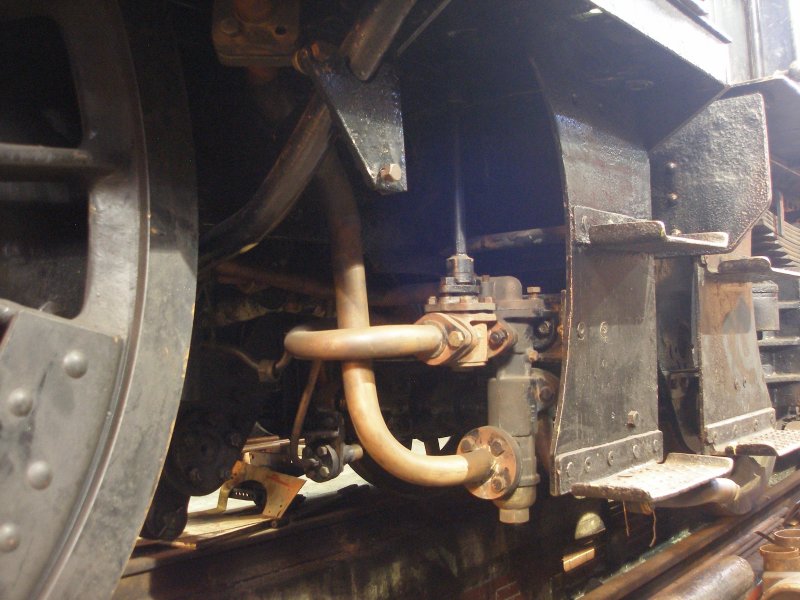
pixel 369 115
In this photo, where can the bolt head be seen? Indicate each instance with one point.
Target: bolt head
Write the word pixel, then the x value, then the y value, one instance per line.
pixel 496 338
pixel 391 173
pixel 544 328
pixel 322 451
pixel 673 198
pixel 497 484
pixel 324 471
pixel 467 445
pixel 496 447
pixel 455 339
pixel 195 476
pixel 633 418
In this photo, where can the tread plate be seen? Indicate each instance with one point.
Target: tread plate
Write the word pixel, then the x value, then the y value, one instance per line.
pixel 655 482
pixel 773 442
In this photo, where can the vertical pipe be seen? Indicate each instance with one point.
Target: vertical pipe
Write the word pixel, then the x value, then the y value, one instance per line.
pixel 359 380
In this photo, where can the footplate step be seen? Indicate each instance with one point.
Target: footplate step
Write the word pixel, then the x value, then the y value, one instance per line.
pixel 654 482
pixel 772 442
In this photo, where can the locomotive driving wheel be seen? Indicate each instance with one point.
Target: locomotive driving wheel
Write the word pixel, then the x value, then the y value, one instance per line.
pixel 97 285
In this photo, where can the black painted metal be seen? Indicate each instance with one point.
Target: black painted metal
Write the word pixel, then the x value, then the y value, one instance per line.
pixel 713 173
pixel 81 464
pixel 369 115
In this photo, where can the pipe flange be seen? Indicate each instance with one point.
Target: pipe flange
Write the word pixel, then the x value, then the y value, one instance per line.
pixel 503 478
pixel 458 339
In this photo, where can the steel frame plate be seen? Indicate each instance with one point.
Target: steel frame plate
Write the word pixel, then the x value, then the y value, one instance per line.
pixel 732 398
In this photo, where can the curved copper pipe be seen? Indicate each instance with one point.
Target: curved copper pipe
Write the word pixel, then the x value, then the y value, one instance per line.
pixel 359 380
pixel 365 343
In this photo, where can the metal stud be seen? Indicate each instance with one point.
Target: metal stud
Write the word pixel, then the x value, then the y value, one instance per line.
pixel 75 364
pixel 9 537
pixel 20 402
pixel 39 474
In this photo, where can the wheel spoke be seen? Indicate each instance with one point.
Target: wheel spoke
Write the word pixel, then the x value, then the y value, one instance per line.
pixel 32 163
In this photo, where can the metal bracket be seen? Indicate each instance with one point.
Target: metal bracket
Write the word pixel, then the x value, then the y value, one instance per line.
pixel 369 115
pixel 752 269
pixel 590 464
pixel 700 184
pixel 720 434
pixel 264 36
pixel 655 482
pixel 628 234
pixel 281 489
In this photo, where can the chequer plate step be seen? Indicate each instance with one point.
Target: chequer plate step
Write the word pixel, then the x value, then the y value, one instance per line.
pixel 773 442
pixel 654 482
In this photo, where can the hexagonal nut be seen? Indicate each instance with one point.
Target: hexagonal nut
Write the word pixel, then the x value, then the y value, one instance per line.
pixel 391 173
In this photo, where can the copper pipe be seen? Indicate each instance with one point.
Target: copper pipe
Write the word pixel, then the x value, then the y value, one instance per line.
pixel 298 284
pixel 359 379
pixel 302 410
pixel 237 274
pixel 365 343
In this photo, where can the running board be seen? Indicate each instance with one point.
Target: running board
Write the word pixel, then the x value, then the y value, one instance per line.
pixel 772 442
pixel 655 482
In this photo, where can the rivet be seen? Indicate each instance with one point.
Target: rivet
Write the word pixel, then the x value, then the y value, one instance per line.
pixel 755 424
pixel 568 470
pixel 39 474
pixel 637 451
pixel 75 364
pixel 581 330
pixel 20 402
pixel 9 537
pixel 611 457
pixel 588 463
pixel 604 330
pixel 672 198
pixel 656 446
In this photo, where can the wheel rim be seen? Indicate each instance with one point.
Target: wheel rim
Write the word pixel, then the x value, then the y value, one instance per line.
pixel 87 403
